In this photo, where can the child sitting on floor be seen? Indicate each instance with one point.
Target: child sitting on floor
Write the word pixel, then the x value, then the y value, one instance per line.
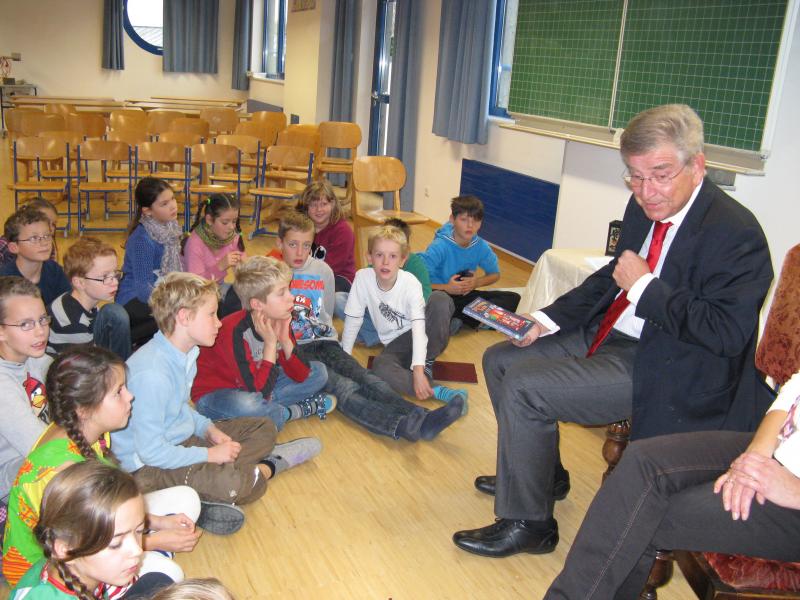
pixel 362 395
pixel 254 368
pixel 91 266
pixel 152 250
pixel 88 398
pixel 90 532
pixel 215 244
pixel 167 442
pixel 45 206
pixel 413 333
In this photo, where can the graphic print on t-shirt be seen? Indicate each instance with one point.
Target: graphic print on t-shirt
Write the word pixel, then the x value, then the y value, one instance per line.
pixel 37 397
pixel 391 315
pixel 308 290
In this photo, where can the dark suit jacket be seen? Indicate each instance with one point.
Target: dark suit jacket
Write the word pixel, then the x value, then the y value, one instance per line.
pixel 694 368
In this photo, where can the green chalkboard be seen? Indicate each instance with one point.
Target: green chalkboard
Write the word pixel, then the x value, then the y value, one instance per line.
pixel 718 56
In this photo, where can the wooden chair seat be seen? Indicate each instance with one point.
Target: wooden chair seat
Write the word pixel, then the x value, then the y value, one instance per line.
pixel 104 186
pixel 211 188
pixel 381 216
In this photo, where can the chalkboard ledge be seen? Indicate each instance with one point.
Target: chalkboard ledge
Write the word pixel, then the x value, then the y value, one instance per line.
pixel 718 157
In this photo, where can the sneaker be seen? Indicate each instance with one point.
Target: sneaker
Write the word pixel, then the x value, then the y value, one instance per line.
pixel 455 325
pixel 446 394
pixel 318 404
pixel 220 518
pixel 290 454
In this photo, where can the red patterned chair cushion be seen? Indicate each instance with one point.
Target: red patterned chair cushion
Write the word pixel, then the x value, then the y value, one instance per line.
pixel 740 571
pixel 778 353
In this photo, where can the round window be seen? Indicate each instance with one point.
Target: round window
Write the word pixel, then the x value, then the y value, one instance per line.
pixel 144 22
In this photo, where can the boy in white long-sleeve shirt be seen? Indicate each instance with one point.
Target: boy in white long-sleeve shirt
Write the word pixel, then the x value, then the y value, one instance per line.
pixel 413 334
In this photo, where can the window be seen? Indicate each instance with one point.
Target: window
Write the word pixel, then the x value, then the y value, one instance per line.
pixel 505 31
pixel 274 41
pixel 144 22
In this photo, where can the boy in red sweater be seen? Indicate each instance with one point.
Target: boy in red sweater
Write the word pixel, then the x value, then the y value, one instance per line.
pixel 253 368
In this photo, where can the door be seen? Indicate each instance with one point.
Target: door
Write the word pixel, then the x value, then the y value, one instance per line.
pixel 381 76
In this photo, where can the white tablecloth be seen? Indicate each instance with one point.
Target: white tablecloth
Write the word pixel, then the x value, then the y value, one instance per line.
pixel 558 271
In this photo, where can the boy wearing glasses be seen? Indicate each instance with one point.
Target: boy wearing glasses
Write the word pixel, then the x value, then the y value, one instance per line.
pixel 91 266
pixel 24 326
pixel 30 237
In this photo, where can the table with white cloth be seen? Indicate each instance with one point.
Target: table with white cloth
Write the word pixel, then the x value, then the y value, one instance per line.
pixel 557 271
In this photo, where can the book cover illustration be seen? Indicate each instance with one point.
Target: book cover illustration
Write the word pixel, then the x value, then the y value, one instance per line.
pixel 496 317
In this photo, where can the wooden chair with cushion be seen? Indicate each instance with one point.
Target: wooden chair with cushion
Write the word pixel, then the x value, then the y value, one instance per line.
pixel 338 135
pixel 379 174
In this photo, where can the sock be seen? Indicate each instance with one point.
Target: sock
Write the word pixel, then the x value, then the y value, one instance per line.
pixel 541 526
pixel 446 394
pixel 409 426
pixel 439 419
pixel 293 412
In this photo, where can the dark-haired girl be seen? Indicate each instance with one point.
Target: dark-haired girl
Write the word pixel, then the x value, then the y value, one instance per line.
pixel 88 398
pixel 153 249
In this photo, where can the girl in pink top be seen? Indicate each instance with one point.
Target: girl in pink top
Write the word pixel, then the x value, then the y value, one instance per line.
pixel 215 243
pixel 334 241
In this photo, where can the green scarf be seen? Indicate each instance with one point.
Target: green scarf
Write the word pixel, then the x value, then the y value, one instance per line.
pixel 210 239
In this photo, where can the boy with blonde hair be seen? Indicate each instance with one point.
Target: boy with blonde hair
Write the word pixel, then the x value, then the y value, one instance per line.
pixel 91 266
pixel 413 333
pixel 254 368
pixel 362 396
pixel 166 441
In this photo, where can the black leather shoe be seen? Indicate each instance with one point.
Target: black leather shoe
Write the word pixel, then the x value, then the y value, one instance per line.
pixel 488 483
pixel 506 537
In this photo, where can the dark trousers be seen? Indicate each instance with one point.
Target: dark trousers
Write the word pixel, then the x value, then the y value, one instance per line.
pixel 362 396
pixel 535 387
pixel 393 364
pixel 143 325
pixel 661 496
pixel 507 300
pixel 238 482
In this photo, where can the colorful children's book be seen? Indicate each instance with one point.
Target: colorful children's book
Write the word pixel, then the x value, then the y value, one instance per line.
pixel 496 317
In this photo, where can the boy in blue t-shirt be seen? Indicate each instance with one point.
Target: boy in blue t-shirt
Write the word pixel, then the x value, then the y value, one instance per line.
pixel 454 257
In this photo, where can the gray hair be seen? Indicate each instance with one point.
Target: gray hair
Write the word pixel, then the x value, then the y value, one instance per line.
pixel 676 124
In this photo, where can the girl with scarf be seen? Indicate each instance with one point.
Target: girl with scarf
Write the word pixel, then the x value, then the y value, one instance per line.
pixel 215 244
pixel 153 249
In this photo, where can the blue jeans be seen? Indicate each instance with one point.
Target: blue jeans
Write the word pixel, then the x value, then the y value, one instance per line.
pixel 112 329
pixel 340 303
pixel 231 403
pixel 368 335
pixel 362 396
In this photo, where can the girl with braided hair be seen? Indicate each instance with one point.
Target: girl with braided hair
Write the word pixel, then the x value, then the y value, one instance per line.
pixel 91 527
pixel 88 399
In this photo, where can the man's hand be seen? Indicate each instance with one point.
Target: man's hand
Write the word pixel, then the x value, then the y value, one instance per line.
pixel 630 267
pixel 422 387
pixel 533 334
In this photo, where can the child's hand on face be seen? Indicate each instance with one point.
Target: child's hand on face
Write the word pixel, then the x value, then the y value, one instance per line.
pixel 264 329
pixel 283 330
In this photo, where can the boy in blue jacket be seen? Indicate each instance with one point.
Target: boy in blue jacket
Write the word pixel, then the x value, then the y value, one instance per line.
pixel 454 257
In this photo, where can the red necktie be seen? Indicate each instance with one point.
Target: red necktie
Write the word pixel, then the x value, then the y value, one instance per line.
pixel 621 303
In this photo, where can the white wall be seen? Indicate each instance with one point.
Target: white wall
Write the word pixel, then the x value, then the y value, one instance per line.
pixel 61 46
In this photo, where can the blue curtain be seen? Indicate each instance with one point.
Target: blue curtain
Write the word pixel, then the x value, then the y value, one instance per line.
pixel 242 36
pixel 344 44
pixel 190 36
pixel 113 36
pixel 461 107
pixel 404 86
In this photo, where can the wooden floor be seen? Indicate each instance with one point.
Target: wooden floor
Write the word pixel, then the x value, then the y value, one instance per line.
pixel 372 518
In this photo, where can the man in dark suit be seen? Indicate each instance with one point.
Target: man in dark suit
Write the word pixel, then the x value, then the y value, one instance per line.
pixel 664 334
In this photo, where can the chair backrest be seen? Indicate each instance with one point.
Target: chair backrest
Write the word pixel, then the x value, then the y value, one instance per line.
pixel 132 137
pixel 339 134
pixel 217 154
pixel 31 148
pixel 379 174
pixel 65 137
pixel 271 118
pixel 246 143
pixel 158 121
pixel 305 136
pixel 34 123
pixel 159 152
pixel 60 109
pixel 191 125
pixel 13 118
pixel 778 352
pixel 265 132
pixel 220 120
pixel 283 157
pixel 184 138
pixel 104 150
pixel 127 118
pixel 91 125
